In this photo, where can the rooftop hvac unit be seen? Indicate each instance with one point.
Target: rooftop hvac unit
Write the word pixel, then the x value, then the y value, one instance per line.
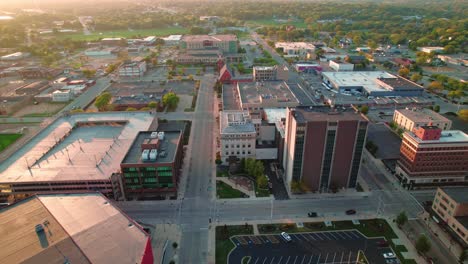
pixel 161 135
pixel 153 154
pixel 154 134
pixel 145 155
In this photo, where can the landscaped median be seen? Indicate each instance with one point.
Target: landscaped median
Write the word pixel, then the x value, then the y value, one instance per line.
pixel 223 244
pixel 8 139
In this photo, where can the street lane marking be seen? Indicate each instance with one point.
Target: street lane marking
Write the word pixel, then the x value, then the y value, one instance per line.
pixel 303 259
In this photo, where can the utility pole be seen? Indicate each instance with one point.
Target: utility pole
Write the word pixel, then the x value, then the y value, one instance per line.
pixel 271 212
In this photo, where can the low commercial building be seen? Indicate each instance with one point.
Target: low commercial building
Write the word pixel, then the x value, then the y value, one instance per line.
pixel 101 51
pixel 15 56
pixel 410 119
pixel 308 67
pixel 61 96
pixel 32 88
pixel 270 73
pixel 71 228
pixel 172 40
pixel 372 83
pixel 39 73
pixel 431 157
pixel 323 147
pixel 341 65
pixel 295 49
pixel 151 167
pixel 238 134
pixel 431 49
pixel 260 95
pixel 135 68
pixel 113 42
pixel 458 59
pixel 451 206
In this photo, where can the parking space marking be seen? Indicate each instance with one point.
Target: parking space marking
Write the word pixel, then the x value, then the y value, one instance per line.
pixel 311 236
pixel 341 235
pixel 342 255
pixel 318 260
pixel 326 259
pixel 287 261
pixel 334 256
pixel 310 260
pixel 296 236
pixel 316 234
pixel 280 259
pixel 271 262
pixel 305 237
pixel 348 235
pixel 331 234
pixel 264 260
pixel 349 257
pixel 295 260
pixel 242 240
pixel 326 236
pixel 303 259
pixel 256 261
pixel 272 239
pixel 357 234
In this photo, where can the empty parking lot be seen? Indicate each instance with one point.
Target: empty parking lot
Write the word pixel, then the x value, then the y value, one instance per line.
pixel 307 248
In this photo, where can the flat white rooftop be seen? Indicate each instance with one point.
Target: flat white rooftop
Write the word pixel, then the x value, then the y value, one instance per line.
pixel 367 80
pixel 78 151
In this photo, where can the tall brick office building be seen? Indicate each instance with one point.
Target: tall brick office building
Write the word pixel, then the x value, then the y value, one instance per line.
pixel 432 157
pixel 323 147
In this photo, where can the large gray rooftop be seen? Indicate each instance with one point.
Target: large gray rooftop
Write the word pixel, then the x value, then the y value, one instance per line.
pixel 233 122
pixel 267 94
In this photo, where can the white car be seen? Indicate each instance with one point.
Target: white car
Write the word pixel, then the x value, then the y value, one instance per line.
pixel 389 255
pixel 286 236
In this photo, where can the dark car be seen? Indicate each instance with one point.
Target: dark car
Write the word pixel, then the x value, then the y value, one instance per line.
pixel 382 243
pixel 351 212
pixel 312 214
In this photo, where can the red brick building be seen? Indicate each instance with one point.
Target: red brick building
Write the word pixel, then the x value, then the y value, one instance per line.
pixel 432 157
pixel 323 147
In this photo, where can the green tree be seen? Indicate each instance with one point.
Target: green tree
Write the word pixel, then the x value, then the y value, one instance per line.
pixel 437 108
pixel 423 244
pixel 364 109
pixel 130 109
pixel 401 219
pixel 435 86
pixel 463 114
pixel 462 257
pixel 262 182
pixel 102 101
pixel 89 73
pixel 153 105
pixel 416 77
pixel 170 100
pixel 404 72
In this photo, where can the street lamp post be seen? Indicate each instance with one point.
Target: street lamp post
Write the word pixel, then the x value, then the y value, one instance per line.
pixel 271 212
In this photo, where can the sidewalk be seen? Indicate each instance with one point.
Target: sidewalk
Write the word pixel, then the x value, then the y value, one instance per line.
pixel 403 240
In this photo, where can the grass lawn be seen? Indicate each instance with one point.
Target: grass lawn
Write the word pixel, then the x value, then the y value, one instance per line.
pixel 39 115
pixel 225 191
pixel 124 33
pixel 224 244
pixel 370 228
pixel 261 192
pixel 8 139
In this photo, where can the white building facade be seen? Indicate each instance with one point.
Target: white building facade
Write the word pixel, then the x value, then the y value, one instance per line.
pixel 238 135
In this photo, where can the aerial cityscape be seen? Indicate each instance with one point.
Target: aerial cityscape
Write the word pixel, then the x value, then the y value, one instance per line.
pixel 233 132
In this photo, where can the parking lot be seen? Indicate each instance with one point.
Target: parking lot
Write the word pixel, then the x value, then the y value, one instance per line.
pixel 317 247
